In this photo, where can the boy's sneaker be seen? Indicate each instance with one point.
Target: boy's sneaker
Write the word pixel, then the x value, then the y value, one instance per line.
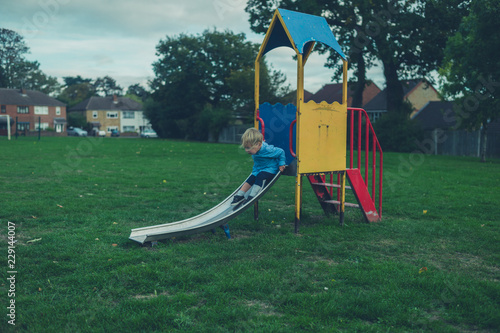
pixel 247 200
pixel 237 199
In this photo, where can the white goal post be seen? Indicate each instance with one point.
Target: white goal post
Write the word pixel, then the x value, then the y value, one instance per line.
pixel 8 124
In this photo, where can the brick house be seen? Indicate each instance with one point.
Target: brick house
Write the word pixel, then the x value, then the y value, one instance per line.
pixel 417 92
pixel 30 110
pixel 112 113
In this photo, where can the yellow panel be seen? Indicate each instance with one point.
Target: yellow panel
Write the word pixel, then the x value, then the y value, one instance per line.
pixel 323 134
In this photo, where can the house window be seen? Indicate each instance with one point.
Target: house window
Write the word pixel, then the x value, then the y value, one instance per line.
pixel 23 109
pixel 58 110
pixel 94 114
pixel 129 128
pixel 41 110
pixel 43 126
pixel 128 114
pixel 4 110
pixel 23 126
pixel 112 115
pixel 374 116
pixel 110 128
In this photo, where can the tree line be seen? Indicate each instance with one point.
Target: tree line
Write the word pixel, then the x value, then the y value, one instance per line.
pixel 201 82
pixel 204 80
pixel 17 72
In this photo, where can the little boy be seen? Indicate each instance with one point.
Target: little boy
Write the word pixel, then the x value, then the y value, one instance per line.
pixel 267 161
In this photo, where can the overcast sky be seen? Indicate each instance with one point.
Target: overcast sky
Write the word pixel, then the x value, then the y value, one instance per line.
pixel 95 38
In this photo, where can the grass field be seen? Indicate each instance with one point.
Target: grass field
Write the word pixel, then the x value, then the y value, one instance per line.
pixel 432 264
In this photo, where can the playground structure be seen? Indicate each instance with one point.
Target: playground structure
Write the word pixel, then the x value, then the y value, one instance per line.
pixel 313 135
pixel 320 129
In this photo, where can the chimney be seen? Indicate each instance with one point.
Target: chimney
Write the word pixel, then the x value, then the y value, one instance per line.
pixel 23 91
pixel 115 99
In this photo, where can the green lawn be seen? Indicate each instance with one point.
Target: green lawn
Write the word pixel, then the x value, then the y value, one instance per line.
pixel 73 201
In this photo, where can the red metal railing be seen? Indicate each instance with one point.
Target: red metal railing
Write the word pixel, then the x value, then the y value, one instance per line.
pixel 370 135
pixel 290 136
pixel 261 121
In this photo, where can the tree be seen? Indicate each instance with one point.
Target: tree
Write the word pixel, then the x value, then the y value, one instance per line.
pixel 16 71
pixel 200 80
pixel 139 91
pixel 12 51
pixel 405 36
pixel 37 80
pixel 76 89
pixel 472 69
pixel 72 80
pixel 107 86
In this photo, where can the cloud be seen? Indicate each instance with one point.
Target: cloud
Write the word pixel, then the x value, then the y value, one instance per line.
pixel 95 38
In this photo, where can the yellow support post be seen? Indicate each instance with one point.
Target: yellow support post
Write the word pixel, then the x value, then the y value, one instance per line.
pixel 342 197
pixel 300 100
pixel 256 92
pixel 343 175
pixel 344 83
pixel 298 201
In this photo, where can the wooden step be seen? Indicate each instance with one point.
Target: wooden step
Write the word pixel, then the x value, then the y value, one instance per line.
pixel 348 204
pixel 330 185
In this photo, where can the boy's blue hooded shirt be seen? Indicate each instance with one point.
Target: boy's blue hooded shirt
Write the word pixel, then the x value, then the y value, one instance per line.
pixel 269 158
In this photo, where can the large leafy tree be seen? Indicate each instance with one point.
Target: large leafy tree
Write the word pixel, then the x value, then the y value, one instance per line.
pixel 16 71
pixel 201 80
pixel 407 37
pixel 12 52
pixel 472 68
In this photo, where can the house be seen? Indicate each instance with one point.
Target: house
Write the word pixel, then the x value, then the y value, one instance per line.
pixel 435 114
pixel 417 92
pixel 291 97
pixel 333 93
pixel 113 113
pixel 31 110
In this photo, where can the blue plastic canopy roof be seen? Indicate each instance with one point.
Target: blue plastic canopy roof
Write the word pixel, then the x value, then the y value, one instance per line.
pixel 304 30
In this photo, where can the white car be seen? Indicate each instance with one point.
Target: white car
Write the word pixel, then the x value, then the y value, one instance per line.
pixel 149 133
pixel 75 131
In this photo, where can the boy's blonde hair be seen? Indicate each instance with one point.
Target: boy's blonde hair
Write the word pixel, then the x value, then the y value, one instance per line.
pixel 251 137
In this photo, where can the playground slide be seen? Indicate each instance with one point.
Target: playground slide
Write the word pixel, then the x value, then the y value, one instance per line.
pixel 206 221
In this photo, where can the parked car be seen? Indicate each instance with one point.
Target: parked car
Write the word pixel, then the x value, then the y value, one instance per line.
pixel 98 132
pixel 115 132
pixel 75 131
pixel 149 133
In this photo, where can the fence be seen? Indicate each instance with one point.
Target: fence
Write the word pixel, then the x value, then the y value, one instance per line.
pixel 461 143
pixel 232 134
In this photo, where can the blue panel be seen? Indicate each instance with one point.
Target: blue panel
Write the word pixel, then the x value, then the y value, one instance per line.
pixel 304 29
pixel 277 120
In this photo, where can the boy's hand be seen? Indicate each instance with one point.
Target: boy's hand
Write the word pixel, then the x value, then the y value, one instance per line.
pixel 282 168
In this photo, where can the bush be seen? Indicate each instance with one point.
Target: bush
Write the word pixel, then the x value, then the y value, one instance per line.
pixel 397 132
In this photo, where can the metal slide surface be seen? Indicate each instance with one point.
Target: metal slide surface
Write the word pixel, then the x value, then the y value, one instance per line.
pixel 206 221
